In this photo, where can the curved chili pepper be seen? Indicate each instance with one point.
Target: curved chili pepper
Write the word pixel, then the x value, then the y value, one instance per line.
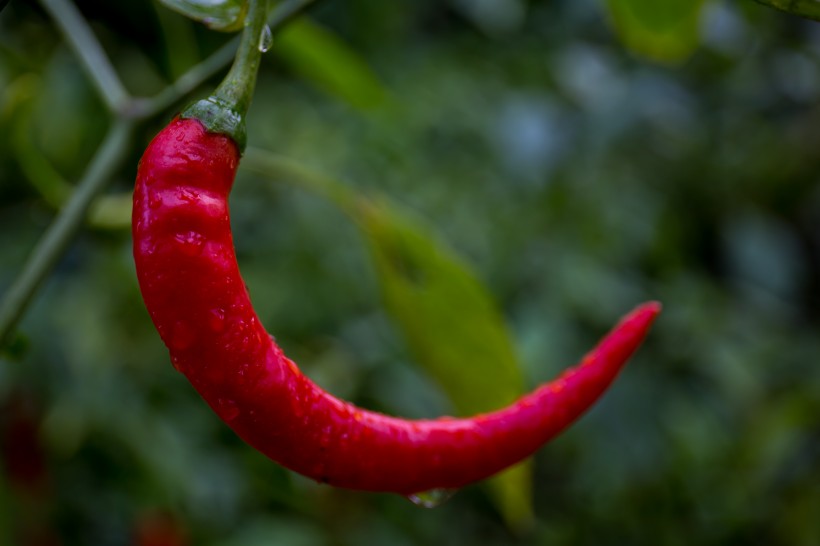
pixel 195 295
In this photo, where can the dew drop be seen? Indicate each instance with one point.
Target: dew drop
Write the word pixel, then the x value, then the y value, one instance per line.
pixel 265 39
pixel 188 195
pixel 216 320
pixel 190 243
pixel 148 247
pixel 177 362
pixel 325 439
pixel 182 336
pixel 431 498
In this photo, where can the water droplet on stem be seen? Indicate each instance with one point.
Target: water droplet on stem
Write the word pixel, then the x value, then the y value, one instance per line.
pixel 265 39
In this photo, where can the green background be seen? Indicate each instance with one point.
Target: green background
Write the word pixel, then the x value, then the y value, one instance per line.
pixel 576 174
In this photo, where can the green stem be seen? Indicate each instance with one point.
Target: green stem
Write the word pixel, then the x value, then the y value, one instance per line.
pixel 62 229
pixel 236 90
pixel 225 110
pixel 279 18
pixel 810 9
pixel 88 49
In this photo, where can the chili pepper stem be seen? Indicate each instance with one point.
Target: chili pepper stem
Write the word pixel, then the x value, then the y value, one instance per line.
pixel 224 111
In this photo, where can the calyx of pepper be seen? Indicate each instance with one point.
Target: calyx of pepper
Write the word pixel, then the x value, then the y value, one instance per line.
pixel 218 116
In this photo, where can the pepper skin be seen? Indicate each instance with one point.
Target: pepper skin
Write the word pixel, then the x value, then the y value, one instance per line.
pixel 195 295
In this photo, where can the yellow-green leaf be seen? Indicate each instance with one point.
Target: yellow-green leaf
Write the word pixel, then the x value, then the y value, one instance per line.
pixel 452 327
pixel 329 63
pixel 662 30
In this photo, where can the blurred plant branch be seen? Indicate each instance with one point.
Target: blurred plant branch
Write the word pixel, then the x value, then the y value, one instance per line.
pixel 82 40
pixel 126 112
pixel 810 9
pixel 62 229
pixel 280 16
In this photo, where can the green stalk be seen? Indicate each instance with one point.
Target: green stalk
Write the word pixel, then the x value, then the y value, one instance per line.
pixel 59 233
pixel 224 111
pixel 80 37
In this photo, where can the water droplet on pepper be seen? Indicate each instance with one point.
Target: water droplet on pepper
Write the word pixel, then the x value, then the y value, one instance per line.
pixel 216 320
pixel 190 243
pixel 431 498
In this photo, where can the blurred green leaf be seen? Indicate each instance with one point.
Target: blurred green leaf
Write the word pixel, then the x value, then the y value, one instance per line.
pixel 493 17
pixel 15 347
pixel 178 34
pixel 452 327
pixel 325 60
pixel 663 31
pixel 223 15
pixel 448 317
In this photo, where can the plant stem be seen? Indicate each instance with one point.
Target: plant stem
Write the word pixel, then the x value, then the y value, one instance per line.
pixel 236 90
pixel 224 111
pixel 88 49
pixel 810 9
pixel 190 80
pixel 51 245
pixel 279 18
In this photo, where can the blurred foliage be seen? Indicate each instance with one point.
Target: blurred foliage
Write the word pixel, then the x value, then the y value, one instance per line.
pixel 665 30
pixel 575 178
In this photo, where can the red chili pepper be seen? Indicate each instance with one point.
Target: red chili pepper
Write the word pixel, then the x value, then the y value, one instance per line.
pixel 192 288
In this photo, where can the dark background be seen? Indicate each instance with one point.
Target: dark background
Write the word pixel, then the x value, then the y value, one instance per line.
pixel 574 176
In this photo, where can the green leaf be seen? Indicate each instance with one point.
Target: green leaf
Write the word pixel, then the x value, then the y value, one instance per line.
pixel 452 327
pixel 665 30
pixel 330 64
pixel 223 15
